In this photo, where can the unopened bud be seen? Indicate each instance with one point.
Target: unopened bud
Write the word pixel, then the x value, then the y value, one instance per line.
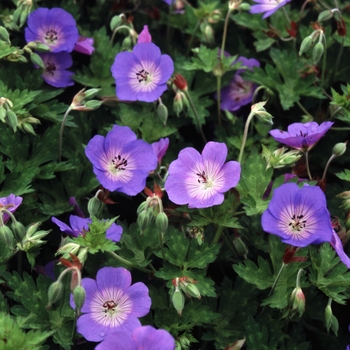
pixel 191 290
pixel 331 321
pixel 143 220
pixel 11 120
pixel 339 149
pixel 31 229
pixel 18 230
pixel 208 32
pixel 37 61
pixel 298 301
pixel 55 292
pixel 2 114
pixel 42 48
pixel 92 105
pixel 178 300
pixel 215 17
pixel 305 45
pixel 116 21
pixel 244 6
pixel 234 4
pixel 28 128
pixel 241 247
pixel 4 35
pixel 317 52
pixel 6 236
pixel 162 222
pixel 178 103
pixel 325 15
pixel 94 206
pixel 162 113
pixel 79 296
pixel 126 44
pixel 91 93
pixel 180 82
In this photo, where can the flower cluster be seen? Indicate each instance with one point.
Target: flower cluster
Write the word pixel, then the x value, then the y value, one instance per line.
pixel 57 29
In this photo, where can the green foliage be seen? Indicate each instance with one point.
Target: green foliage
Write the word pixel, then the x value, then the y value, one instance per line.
pixel 345 175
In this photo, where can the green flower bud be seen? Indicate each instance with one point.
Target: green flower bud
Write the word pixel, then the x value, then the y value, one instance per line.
pixel 331 321
pixel 28 128
pixel 162 222
pixel 178 300
pixel 31 229
pixel 36 60
pixel 190 289
pixel 94 206
pixel 325 15
pixel 244 7
pixel 142 207
pixel 55 292
pixel 23 17
pixel 91 93
pixel 4 35
pixel 143 220
pixel 317 52
pixel 162 113
pixel 42 48
pixel 339 149
pixel 298 301
pixel 2 114
pixel 126 44
pixel 92 105
pixel 305 45
pixel 6 236
pixel 11 120
pixel 178 103
pixel 18 230
pixel 241 247
pixel 79 295
pixel 116 21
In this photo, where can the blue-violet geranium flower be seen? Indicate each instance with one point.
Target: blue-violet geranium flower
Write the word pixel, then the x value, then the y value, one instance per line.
pixel 120 161
pixel 298 215
pixel 10 203
pixel 55 72
pixel 267 6
pixel 240 92
pixel 141 75
pixel 141 338
pixel 84 45
pixel 200 180
pixel 54 27
pixel 112 304
pixel 79 226
pixel 301 136
pixel 160 147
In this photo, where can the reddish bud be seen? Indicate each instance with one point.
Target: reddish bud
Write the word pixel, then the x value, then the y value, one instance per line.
pixel 180 82
pixel 341 27
pixel 293 30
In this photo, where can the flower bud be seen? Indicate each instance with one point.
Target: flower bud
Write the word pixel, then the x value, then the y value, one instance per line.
pixel 234 4
pixel 36 60
pixel 297 300
pixel 237 345
pixel 94 206
pixel 317 52
pixel 92 105
pixel 82 255
pixel 31 229
pixel 2 114
pixel 180 82
pixel 4 35
pixel 91 93
pixel 162 222
pixel 215 17
pixel 42 48
pixel 126 44
pixel 11 120
pixel 116 21
pixel 28 128
pixel 241 247
pixel 178 300
pixel 143 220
pixel 79 295
pixel 325 15
pixel 162 113
pixel 244 7
pixel 208 32
pixel 339 149
pixel 70 247
pixel 330 320
pixel 55 292
pixel 18 230
pixel 190 289
pixel 6 236
pixel 305 45
pixel 178 103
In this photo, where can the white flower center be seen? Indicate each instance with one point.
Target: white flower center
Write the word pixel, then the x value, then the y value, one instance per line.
pixel 51 37
pixel 118 164
pixel 296 223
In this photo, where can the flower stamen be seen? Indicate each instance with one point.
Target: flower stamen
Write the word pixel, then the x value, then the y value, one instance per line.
pixel 51 36
pixel 142 75
pixel 119 162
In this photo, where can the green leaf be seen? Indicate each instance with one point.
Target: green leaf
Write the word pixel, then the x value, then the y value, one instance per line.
pixel 345 175
pixel 206 59
pixel 257 337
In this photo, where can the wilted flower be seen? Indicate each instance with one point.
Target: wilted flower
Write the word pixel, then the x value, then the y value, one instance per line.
pixel 120 161
pixel 145 337
pixel 144 36
pixel 160 147
pixel 10 203
pixel 240 92
pixel 112 304
pixel 301 136
pixel 79 226
pixel 55 28
pixel 200 180
pixel 298 215
pixel 84 45
pixel 55 72
pixel 267 6
pixel 141 75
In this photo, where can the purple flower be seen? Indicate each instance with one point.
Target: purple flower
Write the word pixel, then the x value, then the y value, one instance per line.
pixel 144 36
pixel 141 75
pixel 145 337
pixel 48 269
pixel 338 247
pixel 84 45
pixel 178 5
pixel 10 203
pixel 267 6
pixel 298 215
pixel 240 92
pixel 159 148
pixel 79 226
pixel 120 161
pixel 301 136
pixel 55 28
pixel 55 72
pixel 77 210
pixel 112 304
pixel 200 180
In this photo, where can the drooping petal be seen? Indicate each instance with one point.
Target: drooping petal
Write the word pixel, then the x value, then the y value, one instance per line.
pixel 63 227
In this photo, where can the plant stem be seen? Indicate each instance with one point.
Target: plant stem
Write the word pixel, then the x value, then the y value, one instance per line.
pixel 286 14
pixel 307 165
pixel 61 132
pixel 217 235
pixel 327 165
pixel 341 129
pixel 192 38
pixel 245 134
pixel 324 59
pixel 129 263
pixel 304 110
pixel 161 244
pixel 195 114
pixel 115 32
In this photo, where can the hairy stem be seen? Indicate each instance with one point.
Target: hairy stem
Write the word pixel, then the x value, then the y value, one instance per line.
pixel 245 134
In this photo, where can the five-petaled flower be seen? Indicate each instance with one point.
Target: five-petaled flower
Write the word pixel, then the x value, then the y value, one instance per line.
pixel 142 75
pixel 267 6
pixel 112 304
pixel 145 337
pixel 120 161
pixel 240 92
pixel 79 226
pixel 301 136
pixel 55 72
pixel 10 203
pixel 54 27
pixel 200 180
pixel 298 215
